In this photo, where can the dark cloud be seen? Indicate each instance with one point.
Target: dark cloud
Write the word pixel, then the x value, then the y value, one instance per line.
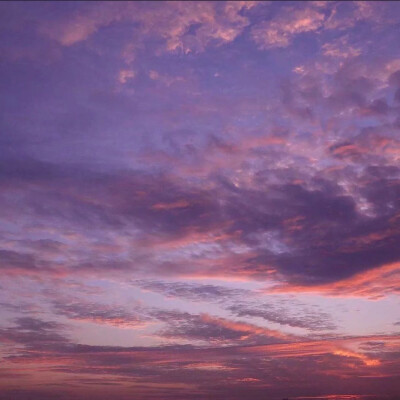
pixel 311 320
pixel 99 313
pixel 35 333
pixel 157 206
pixel 192 291
pixel 196 327
pixel 186 370
pixel 13 261
pixel 237 302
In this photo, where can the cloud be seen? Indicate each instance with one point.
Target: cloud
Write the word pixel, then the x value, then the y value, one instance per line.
pixel 192 291
pixel 100 314
pixel 374 284
pixel 125 75
pixel 34 333
pixel 252 227
pixel 308 319
pixel 217 369
pixel 183 28
pixel 212 329
pixel 79 25
pixel 237 301
pixel 340 48
pixel 209 181
pixel 280 31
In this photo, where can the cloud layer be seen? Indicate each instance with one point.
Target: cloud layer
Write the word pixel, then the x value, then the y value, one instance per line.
pixel 200 200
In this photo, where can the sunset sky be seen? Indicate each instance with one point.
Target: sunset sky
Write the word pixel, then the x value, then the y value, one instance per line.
pixel 200 200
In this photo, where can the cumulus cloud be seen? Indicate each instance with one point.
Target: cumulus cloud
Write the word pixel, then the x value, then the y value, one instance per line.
pixel 125 75
pixel 280 31
pixel 184 27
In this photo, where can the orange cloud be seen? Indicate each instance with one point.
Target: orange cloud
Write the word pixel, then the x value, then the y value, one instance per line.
pixel 280 31
pixel 243 327
pixel 342 347
pixel 171 206
pixel 373 284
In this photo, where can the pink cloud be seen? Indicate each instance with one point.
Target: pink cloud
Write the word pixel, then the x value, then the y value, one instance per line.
pixel 280 31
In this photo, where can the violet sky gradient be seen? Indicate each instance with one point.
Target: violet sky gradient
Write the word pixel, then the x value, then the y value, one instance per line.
pixel 200 200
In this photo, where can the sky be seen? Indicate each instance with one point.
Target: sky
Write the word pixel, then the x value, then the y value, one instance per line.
pixel 200 200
